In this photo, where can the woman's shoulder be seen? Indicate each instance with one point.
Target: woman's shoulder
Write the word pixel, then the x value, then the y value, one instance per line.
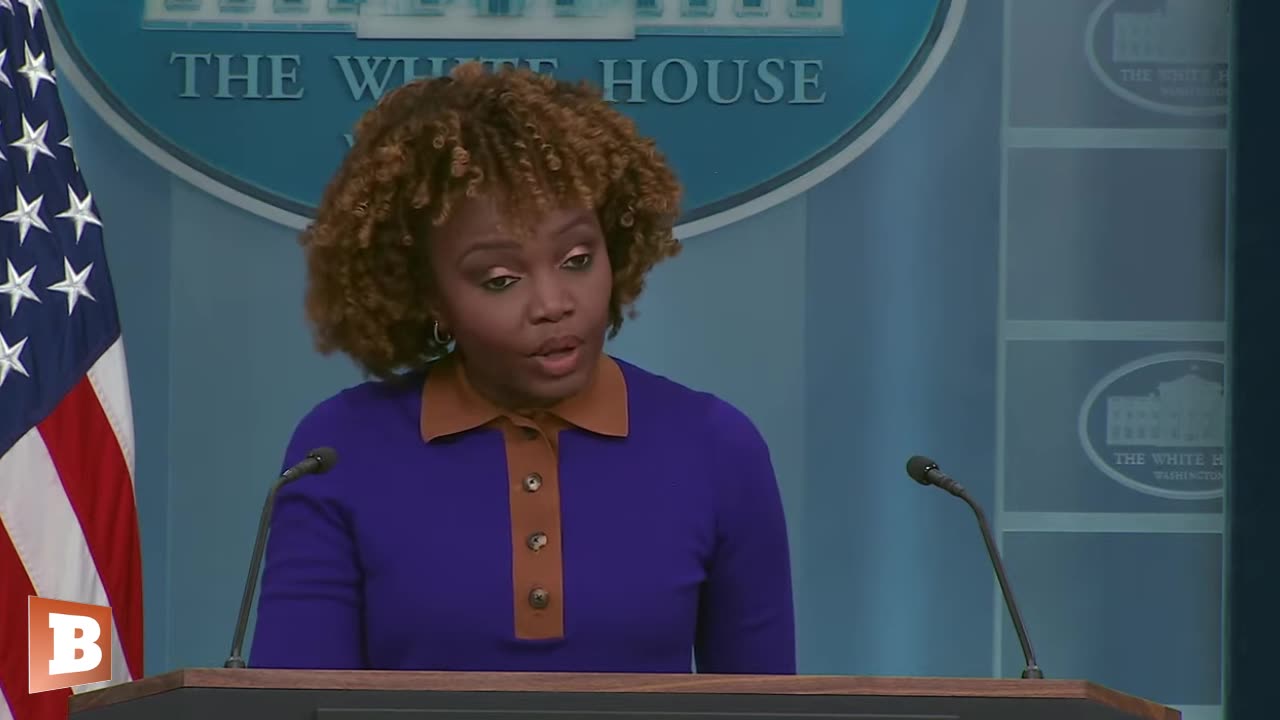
pixel 688 411
pixel 720 438
pixel 357 404
pixel 357 415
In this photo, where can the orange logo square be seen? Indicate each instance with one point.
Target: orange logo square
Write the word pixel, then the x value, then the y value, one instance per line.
pixel 68 644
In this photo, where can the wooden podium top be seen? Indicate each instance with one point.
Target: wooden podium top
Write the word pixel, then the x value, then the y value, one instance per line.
pixel 621 683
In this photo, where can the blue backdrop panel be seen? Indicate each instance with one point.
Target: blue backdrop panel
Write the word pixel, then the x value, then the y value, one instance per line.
pixel 1049 468
pixel 1123 247
pixel 1124 591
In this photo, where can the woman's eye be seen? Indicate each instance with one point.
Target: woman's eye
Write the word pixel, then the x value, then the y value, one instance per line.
pixel 577 262
pixel 499 283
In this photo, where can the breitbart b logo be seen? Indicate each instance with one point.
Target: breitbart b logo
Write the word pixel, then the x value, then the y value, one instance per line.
pixel 69 644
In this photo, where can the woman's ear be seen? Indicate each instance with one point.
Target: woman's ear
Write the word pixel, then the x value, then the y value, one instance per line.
pixel 437 314
pixel 439 321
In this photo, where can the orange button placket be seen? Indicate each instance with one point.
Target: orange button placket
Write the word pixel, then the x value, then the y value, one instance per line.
pixel 536 558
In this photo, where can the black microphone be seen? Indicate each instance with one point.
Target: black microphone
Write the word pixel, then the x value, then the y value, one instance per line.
pixel 926 472
pixel 317 461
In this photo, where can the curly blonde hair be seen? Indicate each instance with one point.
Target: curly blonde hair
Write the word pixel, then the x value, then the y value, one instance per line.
pixel 530 140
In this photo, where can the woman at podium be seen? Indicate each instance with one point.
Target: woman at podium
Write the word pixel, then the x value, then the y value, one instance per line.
pixel 507 496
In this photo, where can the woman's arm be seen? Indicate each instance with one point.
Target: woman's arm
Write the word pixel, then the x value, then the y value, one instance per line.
pixel 746 622
pixel 310 607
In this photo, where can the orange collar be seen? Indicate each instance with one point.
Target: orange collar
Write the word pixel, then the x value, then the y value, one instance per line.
pixel 451 405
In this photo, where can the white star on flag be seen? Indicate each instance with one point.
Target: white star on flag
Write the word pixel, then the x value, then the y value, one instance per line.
pixel 36 71
pixel 32 142
pixel 80 212
pixel 27 215
pixel 73 284
pixel 18 287
pixel 11 358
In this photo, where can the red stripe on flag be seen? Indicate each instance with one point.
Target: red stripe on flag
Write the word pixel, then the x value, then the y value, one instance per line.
pixel 14 680
pixel 94 473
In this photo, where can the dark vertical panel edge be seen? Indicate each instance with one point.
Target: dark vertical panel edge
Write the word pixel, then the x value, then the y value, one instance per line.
pixel 1252 630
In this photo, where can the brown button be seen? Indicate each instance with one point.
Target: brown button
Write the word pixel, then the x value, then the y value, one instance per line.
pixel 537 541
pixel 532 482
pixel 539 598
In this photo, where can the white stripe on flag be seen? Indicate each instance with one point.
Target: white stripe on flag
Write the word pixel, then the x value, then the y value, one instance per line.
pixel 110 381
pixel 47 535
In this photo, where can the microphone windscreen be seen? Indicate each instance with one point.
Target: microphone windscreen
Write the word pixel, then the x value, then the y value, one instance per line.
pixel 327 457
pixel 918 468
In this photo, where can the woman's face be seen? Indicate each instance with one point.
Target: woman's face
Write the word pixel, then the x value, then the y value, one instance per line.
pixel 529 311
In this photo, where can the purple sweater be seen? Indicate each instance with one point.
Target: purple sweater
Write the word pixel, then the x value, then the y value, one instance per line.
pixel 635 529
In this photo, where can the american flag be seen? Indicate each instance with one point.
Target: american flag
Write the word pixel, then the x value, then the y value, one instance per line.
pixel 68 520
